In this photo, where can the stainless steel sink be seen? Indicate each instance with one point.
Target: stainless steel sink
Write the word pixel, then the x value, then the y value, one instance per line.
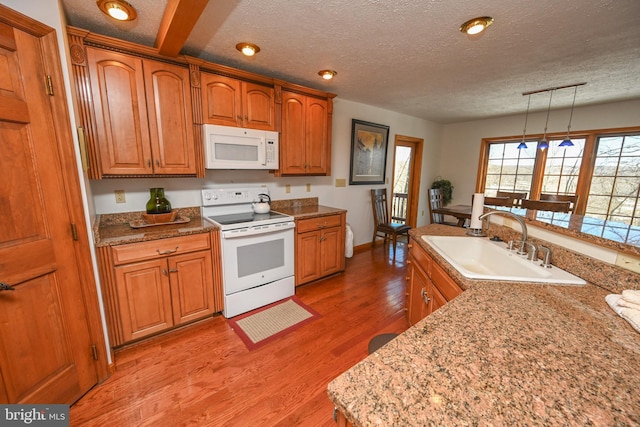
pixel 480 258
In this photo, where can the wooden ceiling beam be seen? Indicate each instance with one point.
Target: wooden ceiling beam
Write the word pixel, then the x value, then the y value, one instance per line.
pixel 179 18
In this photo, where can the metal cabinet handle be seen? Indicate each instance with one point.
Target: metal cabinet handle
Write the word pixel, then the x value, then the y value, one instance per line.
pixel 173 270
pixel 148 163
pixel 323 238
pixel 6 287
pixel 167 252
pixel 425 297
pixel 157 163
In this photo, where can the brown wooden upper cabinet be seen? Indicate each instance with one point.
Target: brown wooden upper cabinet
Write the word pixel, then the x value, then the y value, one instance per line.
pixel 305 141
pixel 143 120
pixel 232 102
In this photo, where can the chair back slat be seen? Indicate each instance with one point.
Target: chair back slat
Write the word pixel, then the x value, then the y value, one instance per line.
pixel 572 199
pixel 515 198
pixel 546 205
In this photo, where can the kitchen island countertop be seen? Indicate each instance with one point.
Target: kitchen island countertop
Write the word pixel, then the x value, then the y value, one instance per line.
pixel 501 353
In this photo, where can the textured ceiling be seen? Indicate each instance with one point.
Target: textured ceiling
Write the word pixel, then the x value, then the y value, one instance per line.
pixel 408 55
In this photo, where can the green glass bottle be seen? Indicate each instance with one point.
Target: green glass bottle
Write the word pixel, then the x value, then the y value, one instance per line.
pixel 158 204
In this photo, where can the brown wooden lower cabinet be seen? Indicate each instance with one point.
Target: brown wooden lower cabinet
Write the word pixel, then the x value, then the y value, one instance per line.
pixel 153 286
pixel 429 287
pixel 320 247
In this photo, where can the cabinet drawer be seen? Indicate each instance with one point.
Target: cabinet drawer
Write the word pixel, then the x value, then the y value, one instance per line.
pixel 447 287
pixel 318 223
pixel 420 258
pixel 159 248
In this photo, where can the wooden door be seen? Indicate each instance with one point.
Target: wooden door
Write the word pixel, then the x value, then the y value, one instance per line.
pixel 170 119
pixel 293 137
pixel 144 298
pixel 221 100
pixel 258 104
pixel 191 286
pixel 316 144
pixel 45 337
pixel 122 127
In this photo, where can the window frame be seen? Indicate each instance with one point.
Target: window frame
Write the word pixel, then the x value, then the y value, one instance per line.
pixel 586 167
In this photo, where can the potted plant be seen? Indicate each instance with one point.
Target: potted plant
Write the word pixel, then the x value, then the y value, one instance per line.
pixel 446 188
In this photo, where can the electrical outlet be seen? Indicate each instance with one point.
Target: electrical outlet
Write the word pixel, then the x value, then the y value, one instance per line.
pixel 287 188
pixel 341 182
pixel 628 262
pixel 308 188
pixel 120 197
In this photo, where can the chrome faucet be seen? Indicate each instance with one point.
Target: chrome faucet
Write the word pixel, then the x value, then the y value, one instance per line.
pixel 517 218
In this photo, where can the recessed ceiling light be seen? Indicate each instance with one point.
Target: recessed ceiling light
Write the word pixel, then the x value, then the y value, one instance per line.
pixel 327 74
pixel 476 25
pixel 248 49
pixel 117 9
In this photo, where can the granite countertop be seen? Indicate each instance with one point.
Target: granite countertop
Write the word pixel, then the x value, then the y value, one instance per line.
pixel 304 208
pixel 114 229
pixel 503 353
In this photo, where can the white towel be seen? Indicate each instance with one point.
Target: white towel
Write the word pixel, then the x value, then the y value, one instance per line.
pixel 622 302
pixel 631 295
pixel 629 314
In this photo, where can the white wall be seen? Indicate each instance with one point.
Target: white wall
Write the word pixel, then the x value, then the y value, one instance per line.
pixel 184 192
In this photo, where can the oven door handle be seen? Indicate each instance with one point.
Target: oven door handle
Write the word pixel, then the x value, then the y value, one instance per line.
pixel 254 231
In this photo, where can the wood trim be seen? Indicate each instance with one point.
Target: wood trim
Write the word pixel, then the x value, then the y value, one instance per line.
pixel 216 261
pixel 416 145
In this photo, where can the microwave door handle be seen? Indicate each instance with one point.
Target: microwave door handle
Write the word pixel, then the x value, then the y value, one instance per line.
pixel 263 151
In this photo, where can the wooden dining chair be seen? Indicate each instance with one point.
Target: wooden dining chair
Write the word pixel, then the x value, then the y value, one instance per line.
pixel 546 205
pixel 382 224
pixel 436 201
pixel 516 198
pixel 572 199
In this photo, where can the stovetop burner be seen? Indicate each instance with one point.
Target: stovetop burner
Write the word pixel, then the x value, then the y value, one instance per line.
pixel 231 208
pixel 246 217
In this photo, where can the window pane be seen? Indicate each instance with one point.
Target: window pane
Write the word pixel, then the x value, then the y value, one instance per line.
pixel 631 146
pixel 602 185
pixel 609 146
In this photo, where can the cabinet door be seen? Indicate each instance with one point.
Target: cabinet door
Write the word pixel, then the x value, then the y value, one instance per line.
pixel 144 298
pixel 221 100
pixel 170 119
pixel 437 300
pixel 419 304
pixel 331 251
pixel 258 105
pixel 293 137
pixel 122 129
pixel 307 257
pixel 191 286
pixel 316 145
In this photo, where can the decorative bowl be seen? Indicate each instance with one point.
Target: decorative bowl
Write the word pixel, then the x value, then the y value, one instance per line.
pixel 159 218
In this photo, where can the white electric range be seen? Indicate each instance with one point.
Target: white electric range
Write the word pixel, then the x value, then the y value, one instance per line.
pixel 257 249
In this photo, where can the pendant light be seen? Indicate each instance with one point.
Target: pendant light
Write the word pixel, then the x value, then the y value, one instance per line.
pixel 544 144
pixel 524 131
pixel 567 141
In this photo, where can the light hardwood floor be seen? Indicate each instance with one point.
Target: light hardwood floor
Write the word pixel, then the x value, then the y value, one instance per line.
pixel 203 375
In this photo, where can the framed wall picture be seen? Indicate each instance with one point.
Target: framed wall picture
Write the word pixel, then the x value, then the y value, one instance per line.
pixel 369 143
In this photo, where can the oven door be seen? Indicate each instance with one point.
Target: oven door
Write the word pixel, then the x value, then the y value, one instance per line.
pixel 255 256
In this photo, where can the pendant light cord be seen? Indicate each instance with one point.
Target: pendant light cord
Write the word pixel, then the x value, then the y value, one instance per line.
pixel 547 122
pixel 575 90
pixel 526 117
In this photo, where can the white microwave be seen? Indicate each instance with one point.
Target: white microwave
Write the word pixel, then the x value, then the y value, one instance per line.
pixel 227 147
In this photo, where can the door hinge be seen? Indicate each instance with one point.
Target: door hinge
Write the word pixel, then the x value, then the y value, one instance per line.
pixel 74 232
pixel 94 352
pixel 49 86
